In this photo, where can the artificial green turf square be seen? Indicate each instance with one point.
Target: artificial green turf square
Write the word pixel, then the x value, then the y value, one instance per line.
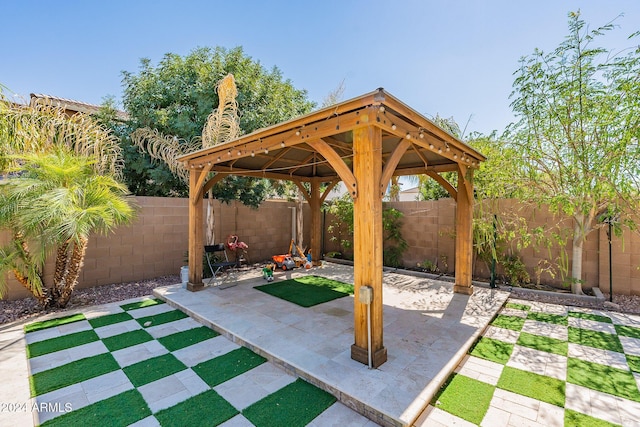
pixel 153 369
pixel 295 404
pixel 633 362
pixel 492 349
pixel 589 316
pixel 578 419
pixel 548 344
pixel 109 319
pixel 120 410
pixel 72 373
pixel 141 304
pixel 61 343
pixel 548 317
pixel 229 365
pixel 128 339
pixel 205 409
pixel 186 338
pixel 464 397
pixel 540 387
pixel 595 339
pixel 628 331
pixel 516 306
pixel 508 322
pixel 307 291
pixel 46 324
pixel 159 319
pixel 603 378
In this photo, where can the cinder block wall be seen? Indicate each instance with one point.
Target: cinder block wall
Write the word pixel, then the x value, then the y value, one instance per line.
pixel 156 243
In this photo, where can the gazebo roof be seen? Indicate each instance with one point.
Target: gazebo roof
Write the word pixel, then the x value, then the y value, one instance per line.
pixel 307 148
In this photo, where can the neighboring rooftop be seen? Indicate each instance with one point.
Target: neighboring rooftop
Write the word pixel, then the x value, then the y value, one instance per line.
pixel 71 106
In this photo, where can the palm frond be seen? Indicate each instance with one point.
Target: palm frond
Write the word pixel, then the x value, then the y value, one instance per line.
pixel 223 124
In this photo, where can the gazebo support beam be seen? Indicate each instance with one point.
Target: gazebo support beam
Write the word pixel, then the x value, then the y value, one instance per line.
pixel 367 243
pixel 464 232
pixel 315 202
pixel 196 238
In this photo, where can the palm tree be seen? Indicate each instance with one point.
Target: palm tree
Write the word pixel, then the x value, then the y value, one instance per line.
pixel 54 205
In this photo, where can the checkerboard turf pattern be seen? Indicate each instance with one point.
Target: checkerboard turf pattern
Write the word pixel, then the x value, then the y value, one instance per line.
pixel 147 364
pixel 549 365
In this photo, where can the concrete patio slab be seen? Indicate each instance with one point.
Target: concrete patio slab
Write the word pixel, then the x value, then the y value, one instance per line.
pixel 428 331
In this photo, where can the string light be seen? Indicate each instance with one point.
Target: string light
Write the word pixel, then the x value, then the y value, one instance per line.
pixel 297 133
pixel 282 144
pixel 393 126
pixel 408 135
pixel 422 137
pixel 431 146
pixel 266 151
pixel 253 154
pixel 382 108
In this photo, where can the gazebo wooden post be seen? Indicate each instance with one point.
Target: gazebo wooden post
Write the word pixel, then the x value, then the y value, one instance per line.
pixel 196 238
pixel 316 224
pixel 464 232
pixel 367 243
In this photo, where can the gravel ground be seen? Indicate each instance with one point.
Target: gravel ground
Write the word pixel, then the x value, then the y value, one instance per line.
pixel 26 308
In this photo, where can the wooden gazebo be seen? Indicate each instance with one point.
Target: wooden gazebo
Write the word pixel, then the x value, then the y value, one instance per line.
pixel 362 142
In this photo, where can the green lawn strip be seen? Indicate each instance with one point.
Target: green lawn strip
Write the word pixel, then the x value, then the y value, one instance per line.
pixel 46 324
pixel 633 362
pixel 307 291
pixel 548 344
pixel 109 319
pixel 603 378
pixel 186 338
pixel 61 343
pixel 120 410
pixel 204 409
pixel 492 349
pixel 295 404
pixel 518 306
pixel 71 373
pixel 578 419
pixel 595 339
pixel 128 339
pixel 548 317
pixel 153 369
pixel 535 386
pixel 159 319
pixel 589 316
pixel 464 397
pixel 628 331
pixel 508 322
pixel 141 304
pixel 229 365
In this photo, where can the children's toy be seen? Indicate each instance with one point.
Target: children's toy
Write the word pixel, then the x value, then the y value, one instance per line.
pixel 267 272
pixel 284 262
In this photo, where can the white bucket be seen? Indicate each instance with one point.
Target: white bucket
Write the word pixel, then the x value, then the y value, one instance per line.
pixel 184 275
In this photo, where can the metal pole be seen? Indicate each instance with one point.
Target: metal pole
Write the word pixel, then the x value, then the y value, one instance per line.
pixel 493 261
pixel 610 266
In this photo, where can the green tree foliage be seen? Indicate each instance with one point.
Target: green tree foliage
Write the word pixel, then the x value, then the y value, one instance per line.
pixel 577 131
pixel 53 205
pixel 341 230
pixel 176 97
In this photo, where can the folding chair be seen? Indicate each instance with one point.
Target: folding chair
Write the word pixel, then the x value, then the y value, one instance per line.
pixel 223 270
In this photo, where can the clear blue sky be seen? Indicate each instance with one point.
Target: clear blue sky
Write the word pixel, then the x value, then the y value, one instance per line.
pixel 450 57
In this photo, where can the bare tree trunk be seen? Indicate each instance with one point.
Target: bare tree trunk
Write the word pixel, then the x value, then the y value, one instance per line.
pixel 73 271
pixel 299 220
pixel 576 260
pixel 211 232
